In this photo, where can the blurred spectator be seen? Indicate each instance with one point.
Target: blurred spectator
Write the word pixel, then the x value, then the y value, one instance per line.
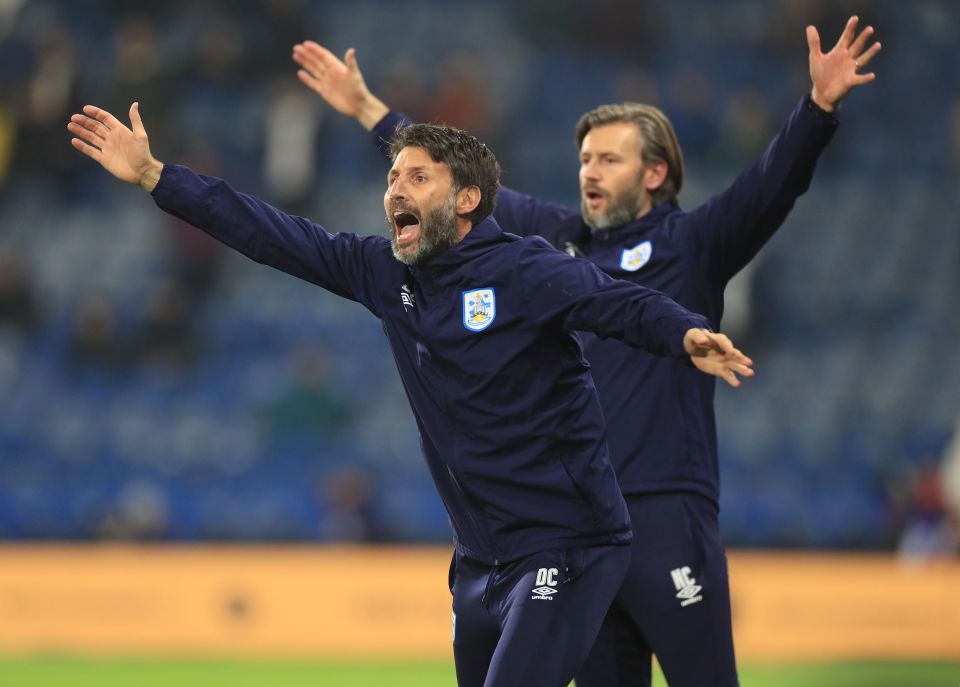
pixel 929 530
pixel 139 513
pixel 166 335
pixel 951 482
pixel 747 129
pixel 351 507
pixel 94 339
pixel 308 403
pixel 18 304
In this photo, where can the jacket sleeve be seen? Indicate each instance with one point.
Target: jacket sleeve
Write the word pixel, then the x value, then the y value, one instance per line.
pixel 516 213
pixel 343 263
pixel 574 294
pixel 730 228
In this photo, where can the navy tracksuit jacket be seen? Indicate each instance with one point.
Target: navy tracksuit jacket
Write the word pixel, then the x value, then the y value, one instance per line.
pixel 659 412
pixel 509 419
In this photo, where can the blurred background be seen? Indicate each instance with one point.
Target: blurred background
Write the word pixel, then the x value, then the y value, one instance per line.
pixel 156 387
pixel 153 385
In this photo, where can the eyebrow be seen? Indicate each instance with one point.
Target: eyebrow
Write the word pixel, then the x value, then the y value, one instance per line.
pixel 417 168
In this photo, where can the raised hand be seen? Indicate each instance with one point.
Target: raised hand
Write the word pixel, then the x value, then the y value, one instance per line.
pixel 835 73
pixel 716 355
pixel 123 152
pixel 338 82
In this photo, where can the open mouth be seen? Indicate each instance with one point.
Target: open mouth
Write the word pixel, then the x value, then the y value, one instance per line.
pixel 593 197
pixel 407 226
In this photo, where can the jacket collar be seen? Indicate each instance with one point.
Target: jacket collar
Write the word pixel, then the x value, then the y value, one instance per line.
pixel 634 227
pixel 443 267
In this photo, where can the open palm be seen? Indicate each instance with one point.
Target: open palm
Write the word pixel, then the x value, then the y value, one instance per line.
pixel 835 73
pixel 123 152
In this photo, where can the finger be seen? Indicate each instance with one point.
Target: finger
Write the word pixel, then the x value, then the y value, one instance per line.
pixel 91 125
pixel 320 53
pixel 310 81
pixel 306 59
pixel 865 58
pixel 135 122
pixel 861 79
pixel 85 134
pixel 86 149
pixel 722 342
pixel 742 369
pixel 731 379
pixel 102 116
pixel 861 41
pixel 813 40
pixel 846 38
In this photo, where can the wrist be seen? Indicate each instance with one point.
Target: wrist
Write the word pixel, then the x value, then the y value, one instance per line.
pixel 819 104
pixel 371 111
pixel 151 175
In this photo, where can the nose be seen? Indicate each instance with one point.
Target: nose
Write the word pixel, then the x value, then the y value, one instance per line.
pixel 590 170
pixel 397 189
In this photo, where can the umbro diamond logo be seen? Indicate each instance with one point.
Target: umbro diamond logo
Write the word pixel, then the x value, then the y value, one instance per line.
pixel 546 584
pixel 687 588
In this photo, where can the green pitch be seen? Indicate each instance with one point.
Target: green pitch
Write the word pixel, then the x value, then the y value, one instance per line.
pixel 65 672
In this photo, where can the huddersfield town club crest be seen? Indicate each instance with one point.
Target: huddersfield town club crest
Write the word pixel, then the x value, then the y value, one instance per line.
pixel 634 258
pixel 479 309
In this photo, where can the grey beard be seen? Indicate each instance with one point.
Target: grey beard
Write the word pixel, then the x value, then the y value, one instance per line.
pixel 438 232
pixel 623 209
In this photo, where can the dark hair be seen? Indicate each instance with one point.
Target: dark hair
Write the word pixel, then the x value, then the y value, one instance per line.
pixel 471 163
pixel 658 141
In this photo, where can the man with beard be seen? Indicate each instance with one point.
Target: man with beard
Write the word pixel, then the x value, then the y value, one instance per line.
pixel 480 325
pixel 675 601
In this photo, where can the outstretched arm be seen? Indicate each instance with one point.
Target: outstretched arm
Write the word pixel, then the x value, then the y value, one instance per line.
pixel 576 296
pixel 123 152
pixel 728 230
pixel 341 84
pixel 338 82
pixel 344 263
pixel 834 74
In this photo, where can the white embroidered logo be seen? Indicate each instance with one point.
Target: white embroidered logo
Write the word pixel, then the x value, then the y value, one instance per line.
pixel 634 258
pixel 546 584
pixel 406 297
pixel 687 588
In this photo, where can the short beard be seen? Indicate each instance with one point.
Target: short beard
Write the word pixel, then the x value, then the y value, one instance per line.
pixel 438 232
pixel 621 210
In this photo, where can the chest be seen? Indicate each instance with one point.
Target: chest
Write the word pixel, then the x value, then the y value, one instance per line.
pixel 468 329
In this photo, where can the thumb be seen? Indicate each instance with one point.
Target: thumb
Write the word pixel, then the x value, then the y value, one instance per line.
pixel 350 58
pixel 135 121
pixel 813 40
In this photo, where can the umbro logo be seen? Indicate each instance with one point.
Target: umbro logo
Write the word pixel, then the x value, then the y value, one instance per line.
pixel 687 588
pixel 543 591
pixel 546 584
pixel 406 297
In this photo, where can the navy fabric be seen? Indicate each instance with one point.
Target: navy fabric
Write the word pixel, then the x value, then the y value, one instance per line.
pixel 509 419
pixel 531 622
pixel 660 418
pixel 675 604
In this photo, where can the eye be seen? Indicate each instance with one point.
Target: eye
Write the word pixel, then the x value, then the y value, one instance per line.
pixel 420 178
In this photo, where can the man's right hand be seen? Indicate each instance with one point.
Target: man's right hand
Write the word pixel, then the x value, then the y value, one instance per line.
pixel 123 152
pixel 338 82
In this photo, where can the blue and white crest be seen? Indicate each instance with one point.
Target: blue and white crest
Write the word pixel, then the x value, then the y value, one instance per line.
pixel 479 309
pixel 634 258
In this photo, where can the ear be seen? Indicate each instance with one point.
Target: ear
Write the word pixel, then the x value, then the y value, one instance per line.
pixel 654 175
pixel 468 198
